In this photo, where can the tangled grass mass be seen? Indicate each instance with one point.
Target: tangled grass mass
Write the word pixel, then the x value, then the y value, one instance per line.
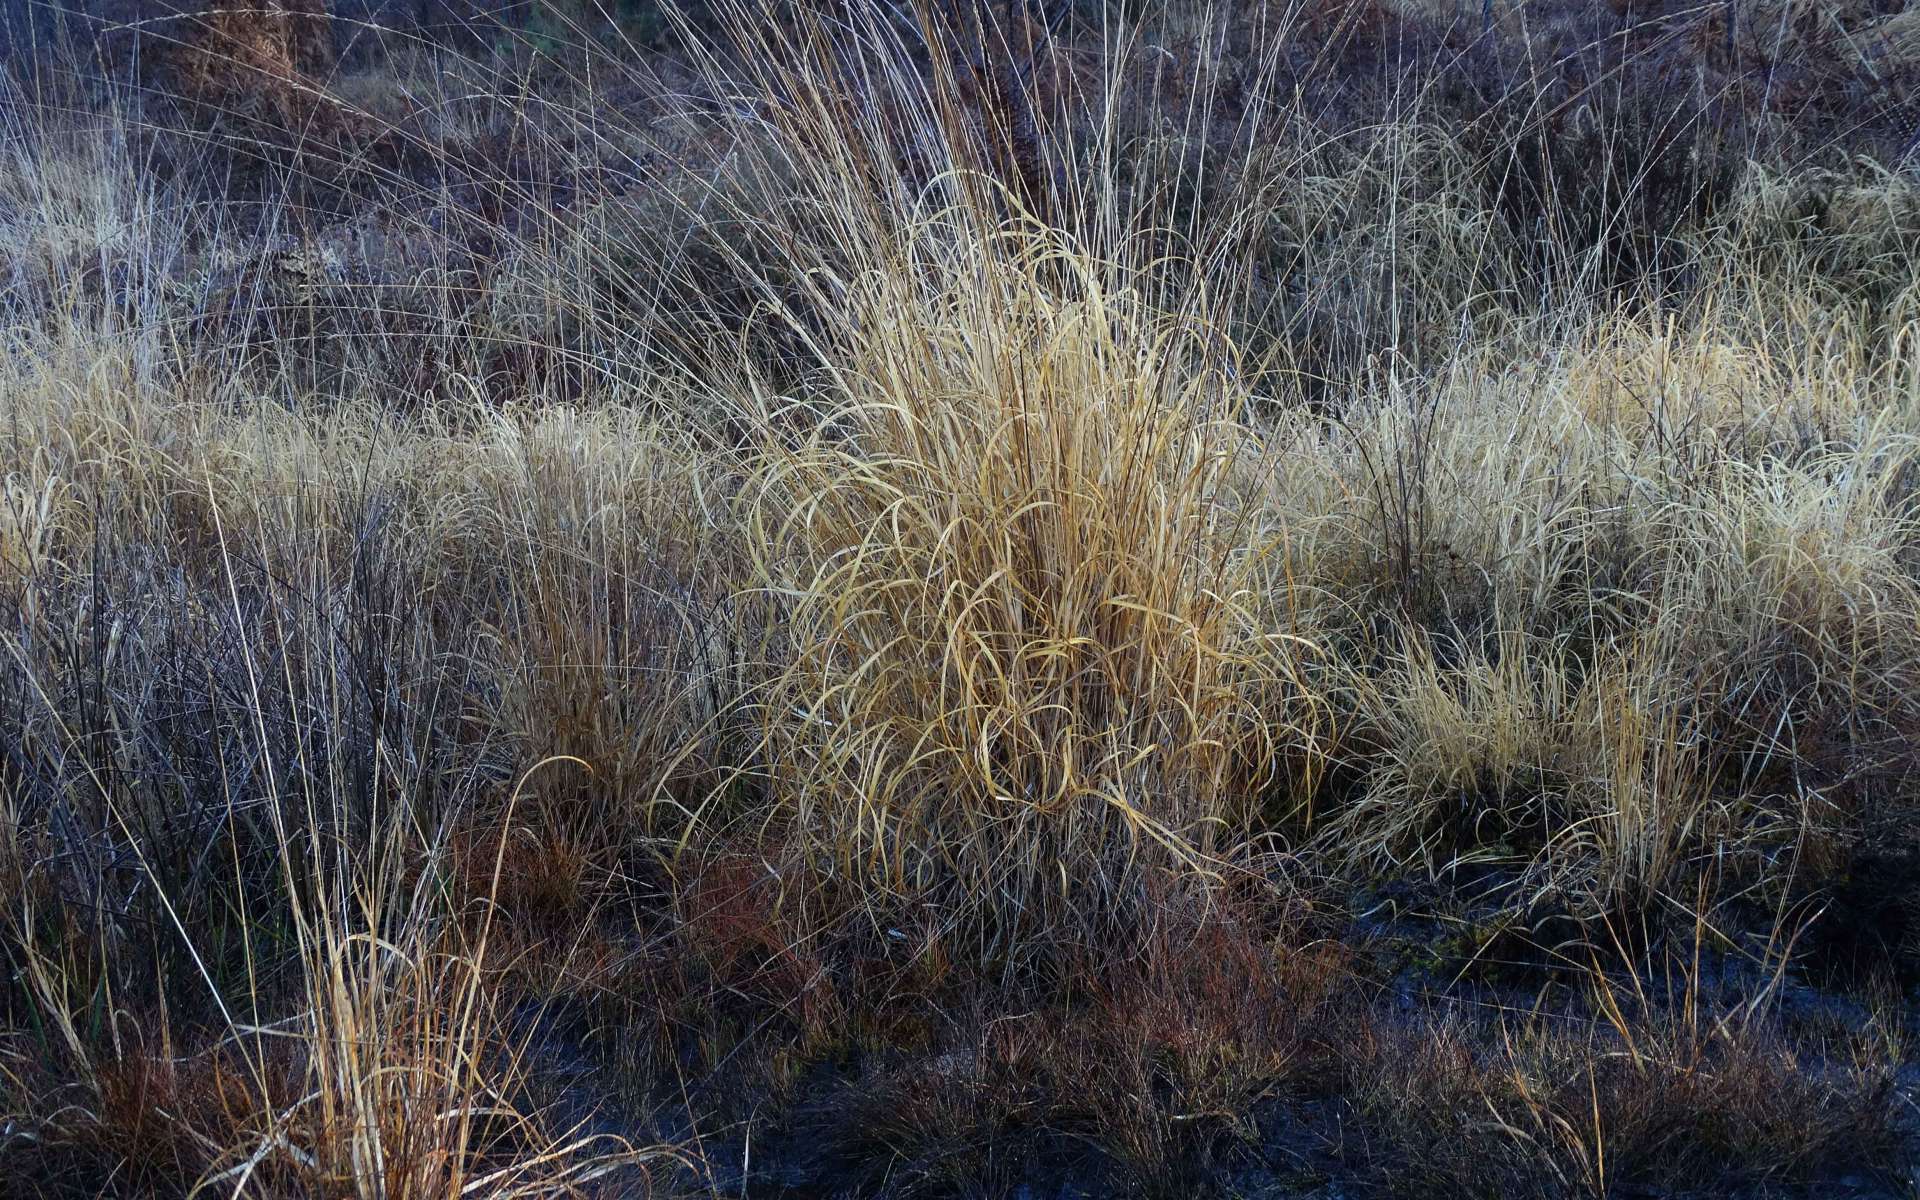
pixel 1292 598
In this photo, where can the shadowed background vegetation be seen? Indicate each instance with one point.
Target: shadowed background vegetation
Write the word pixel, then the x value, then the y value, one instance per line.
pixel 1313 598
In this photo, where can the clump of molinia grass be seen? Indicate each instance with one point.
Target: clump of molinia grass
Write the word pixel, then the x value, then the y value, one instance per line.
pixel 1024 663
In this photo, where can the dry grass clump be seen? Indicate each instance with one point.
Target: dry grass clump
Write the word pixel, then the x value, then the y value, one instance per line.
pixel 267 770
pixel 1556 1108
pixel 397 1073
pixel 1651 607
pixel 1583 774
pixel 1026 659
pixel 1847 236
pixel 73 218
pixel 321 647
pixel 612 545
pixel 1017 660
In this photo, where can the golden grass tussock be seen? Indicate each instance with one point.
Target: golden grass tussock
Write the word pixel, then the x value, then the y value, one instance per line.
pixel 1028 655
